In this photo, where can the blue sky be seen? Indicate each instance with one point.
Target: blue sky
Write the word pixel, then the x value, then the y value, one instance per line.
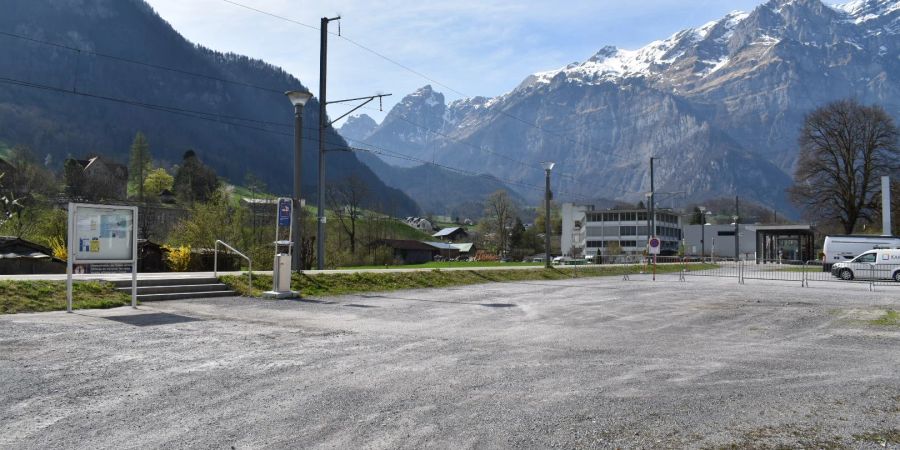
pixel 476 47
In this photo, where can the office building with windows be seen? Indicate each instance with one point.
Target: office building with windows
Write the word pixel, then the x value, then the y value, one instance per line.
pixel 587 231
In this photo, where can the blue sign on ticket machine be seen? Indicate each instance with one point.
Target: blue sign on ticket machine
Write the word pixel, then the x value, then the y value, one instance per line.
pixel 284 212
pixel 281 270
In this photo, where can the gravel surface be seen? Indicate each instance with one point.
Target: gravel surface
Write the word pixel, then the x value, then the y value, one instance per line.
pixel 599 362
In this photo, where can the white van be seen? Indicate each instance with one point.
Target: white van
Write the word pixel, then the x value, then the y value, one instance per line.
pixel 844 248
pixel 871 265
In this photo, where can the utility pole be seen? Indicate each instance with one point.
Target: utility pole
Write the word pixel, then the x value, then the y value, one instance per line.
pixel 320 207
pixel 323 124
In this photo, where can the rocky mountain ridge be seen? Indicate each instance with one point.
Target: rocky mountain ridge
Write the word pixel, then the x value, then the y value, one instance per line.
pixel 721 105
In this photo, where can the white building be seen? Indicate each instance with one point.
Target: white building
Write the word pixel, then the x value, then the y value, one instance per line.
pixel 590 232
pixel 718 240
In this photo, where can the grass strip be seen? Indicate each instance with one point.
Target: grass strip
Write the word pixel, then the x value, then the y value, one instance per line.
pixel 447 265
pixel 890 318
pixel 18 296
pixel 321 285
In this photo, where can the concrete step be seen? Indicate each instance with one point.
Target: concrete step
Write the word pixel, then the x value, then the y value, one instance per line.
pixel 174 289
pixel 174 281
pixel 184 295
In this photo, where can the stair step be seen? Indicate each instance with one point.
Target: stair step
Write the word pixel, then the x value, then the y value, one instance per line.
pixel 174 289
pixel 185 295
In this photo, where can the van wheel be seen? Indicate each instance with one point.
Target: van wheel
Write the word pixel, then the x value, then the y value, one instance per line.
pixel 897 276
pixel 846 274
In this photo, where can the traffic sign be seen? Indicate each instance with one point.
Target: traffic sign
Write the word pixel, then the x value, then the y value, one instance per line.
pixel 654 245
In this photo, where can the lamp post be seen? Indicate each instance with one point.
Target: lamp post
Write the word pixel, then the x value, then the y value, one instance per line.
pixel 548 166
pixel 703 219
pixel 298 99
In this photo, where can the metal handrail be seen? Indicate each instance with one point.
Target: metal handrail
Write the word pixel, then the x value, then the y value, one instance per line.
pixel 216 261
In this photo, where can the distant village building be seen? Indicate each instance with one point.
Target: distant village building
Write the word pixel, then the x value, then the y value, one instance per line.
pixel 420 224
pixel 18 256
pixel 96 179
pixel 451 234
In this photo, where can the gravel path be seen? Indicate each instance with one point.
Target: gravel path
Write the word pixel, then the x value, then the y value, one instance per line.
pixel 575 363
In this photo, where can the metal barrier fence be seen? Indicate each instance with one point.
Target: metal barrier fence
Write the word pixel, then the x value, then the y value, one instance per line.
pixel 800 272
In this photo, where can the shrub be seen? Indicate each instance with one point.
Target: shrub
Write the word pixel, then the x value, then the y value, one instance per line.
pixel 178 258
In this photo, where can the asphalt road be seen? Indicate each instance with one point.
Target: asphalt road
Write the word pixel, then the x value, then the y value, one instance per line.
pixel 575 363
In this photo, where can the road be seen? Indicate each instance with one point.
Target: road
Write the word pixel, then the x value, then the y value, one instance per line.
pixel 595 363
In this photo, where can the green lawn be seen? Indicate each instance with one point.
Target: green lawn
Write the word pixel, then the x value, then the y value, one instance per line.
pixel 352 283
pixel 38 296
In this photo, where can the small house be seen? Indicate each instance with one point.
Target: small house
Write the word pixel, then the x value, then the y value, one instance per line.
pixel 21 257
pixel 406 251
pixel 451 234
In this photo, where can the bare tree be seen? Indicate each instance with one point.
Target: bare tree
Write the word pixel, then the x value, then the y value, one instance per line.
pixel 844 148
pixel 346 200
pixel 499 212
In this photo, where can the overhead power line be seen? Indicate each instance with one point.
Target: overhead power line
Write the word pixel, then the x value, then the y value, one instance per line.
pixel 220 119
pixel 141 63
pixel 433 80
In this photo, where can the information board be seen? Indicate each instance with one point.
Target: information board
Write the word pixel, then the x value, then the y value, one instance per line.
pixel 103 234
pixel 102 239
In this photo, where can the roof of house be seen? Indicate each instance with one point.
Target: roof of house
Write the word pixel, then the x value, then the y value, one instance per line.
pixel 442 245
pixel 16 248
pixel 406 244
pixel 448 231
pixel 464 248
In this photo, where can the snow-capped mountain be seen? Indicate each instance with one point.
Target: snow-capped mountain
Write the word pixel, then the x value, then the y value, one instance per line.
pixel 721 105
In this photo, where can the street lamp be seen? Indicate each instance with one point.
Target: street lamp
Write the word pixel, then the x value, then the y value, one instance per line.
pixel 703 218
pixel 548 166
pixel 298 99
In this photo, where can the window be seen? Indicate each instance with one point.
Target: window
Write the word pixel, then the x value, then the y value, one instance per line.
pixel 865 258
pixel 627 231
pixel 642 216
pixel 596 244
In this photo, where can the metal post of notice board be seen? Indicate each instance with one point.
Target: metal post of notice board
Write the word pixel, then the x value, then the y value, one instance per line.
pixel 101 234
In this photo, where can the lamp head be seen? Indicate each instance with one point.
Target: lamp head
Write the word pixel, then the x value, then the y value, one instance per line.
pixel 298 98
pixel 547 165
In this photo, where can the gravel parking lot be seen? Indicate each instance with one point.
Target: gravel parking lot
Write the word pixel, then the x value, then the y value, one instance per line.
pixel 599 362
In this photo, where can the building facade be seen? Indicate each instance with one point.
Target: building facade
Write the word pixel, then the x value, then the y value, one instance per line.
pixel 587 231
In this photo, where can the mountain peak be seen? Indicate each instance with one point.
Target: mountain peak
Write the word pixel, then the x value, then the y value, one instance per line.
pixel 358 127
pixel 605 52
pixel 425 93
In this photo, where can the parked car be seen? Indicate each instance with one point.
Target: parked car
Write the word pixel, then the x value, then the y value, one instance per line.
pixel 560 260
pixel 871 265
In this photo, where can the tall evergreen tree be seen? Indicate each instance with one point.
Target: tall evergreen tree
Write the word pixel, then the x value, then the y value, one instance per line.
pixel 139 165
pixel 194 181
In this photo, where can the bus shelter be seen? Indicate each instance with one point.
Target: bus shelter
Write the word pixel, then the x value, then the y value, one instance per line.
pixel 776 243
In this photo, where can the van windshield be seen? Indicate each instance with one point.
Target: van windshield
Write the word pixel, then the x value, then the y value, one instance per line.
pixel 865 258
